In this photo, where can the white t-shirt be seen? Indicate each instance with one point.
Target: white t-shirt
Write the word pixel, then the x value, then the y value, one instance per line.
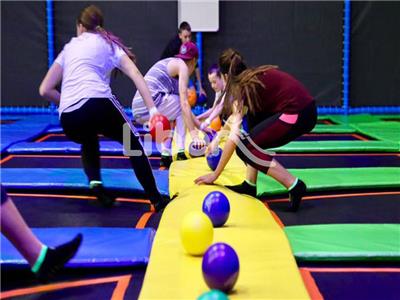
pixel 87 63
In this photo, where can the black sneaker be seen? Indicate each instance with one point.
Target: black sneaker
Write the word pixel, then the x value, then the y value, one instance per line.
pixel 165 162
pixel 103 196
pixel 181 156
pixel 162 203
pixel 244 188
pixel 296 194
pixel 56 258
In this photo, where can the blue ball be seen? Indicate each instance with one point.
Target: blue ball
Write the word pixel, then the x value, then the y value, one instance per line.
pixel 214 158
pixel 216 206
pixel 202 99
pixel 213 295
pixel 220 267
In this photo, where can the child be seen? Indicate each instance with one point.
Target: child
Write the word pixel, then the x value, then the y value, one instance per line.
pixel 218 85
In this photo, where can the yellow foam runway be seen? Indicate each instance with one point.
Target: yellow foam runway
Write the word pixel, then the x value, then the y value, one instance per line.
pixel 183 173
pixel 267 267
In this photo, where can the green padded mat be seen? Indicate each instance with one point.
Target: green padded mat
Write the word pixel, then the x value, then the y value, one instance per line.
pixel 334 179
pixel 345 242
pixel 371 125
pixel 387 131
pixel 338 146
pixel 352 119
pixel 321 128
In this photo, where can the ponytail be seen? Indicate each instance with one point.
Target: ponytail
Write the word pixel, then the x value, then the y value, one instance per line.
pixel 92 19
pixel 112 39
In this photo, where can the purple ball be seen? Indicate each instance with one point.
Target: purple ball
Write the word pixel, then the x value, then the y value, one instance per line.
pixel 216 206
pixel 220 267
pixel 209 136
pixel 214 158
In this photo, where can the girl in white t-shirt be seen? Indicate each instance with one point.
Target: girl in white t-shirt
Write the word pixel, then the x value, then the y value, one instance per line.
pixel 87 106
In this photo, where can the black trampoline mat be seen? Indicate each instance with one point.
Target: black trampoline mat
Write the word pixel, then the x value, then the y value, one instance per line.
pixel 361 283
pixel 82 283
pixel 333 137
pixel 310 161
pixel 61 137
pixel 338 160
pixel 326 122
pixel 70 161
pixel 351 208
pixel 47 210
pixel 8 121
pixel 392 119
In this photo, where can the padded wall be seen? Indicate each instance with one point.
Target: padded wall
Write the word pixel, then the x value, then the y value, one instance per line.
pixel 303 38
pixel 23 52
pixel 375 48
pixel 146 26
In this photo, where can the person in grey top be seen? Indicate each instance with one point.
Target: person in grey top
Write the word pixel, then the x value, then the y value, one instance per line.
pixel 168 84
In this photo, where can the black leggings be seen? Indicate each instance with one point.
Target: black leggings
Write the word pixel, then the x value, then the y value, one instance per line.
pixel 272 133
pixel 4 195
pixel 105 116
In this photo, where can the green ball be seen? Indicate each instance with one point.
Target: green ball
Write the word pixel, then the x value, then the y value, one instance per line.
pixel 213 295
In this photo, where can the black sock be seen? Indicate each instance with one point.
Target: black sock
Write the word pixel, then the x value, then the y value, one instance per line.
pixel 166 161
pixel 244 188
pixel 160 202
pixel 296 194
pixel 102 195
pixel 56 258
pixel 181 156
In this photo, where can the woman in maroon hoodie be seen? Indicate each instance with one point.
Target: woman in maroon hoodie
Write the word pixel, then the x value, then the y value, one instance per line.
pixel 278 109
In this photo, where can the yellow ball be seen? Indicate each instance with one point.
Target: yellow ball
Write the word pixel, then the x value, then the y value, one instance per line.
pixel 196 232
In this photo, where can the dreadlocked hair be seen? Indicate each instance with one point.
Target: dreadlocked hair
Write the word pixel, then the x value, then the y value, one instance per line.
pixel 242 82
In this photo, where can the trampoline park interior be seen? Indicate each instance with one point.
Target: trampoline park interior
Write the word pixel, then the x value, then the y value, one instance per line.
pixel 343 243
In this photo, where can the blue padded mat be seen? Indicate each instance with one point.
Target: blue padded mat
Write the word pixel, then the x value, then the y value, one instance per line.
pixel 117 179
pixel 101 247
pixel 106 148
pixel 55 129
pixel 25 127
pixel 58 129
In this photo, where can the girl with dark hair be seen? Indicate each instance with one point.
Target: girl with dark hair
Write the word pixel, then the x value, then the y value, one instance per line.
pixel 279 109
pixel 87 106
pixel 218 85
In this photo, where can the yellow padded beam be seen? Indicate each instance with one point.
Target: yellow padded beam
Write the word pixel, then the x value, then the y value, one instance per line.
pixel 267 267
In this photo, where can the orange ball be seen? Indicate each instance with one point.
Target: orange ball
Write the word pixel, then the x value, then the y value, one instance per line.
pixel 192 97
pixel 216 124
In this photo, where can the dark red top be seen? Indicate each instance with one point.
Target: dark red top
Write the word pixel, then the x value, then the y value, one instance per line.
pixel 282 93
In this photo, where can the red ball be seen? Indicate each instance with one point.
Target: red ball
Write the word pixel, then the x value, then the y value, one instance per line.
pixel 160 127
